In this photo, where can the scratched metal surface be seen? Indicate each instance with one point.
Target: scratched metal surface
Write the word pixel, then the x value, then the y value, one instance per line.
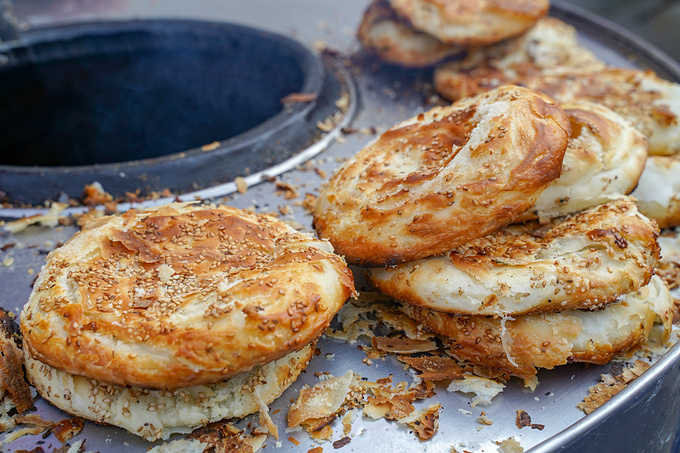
pixel 383 99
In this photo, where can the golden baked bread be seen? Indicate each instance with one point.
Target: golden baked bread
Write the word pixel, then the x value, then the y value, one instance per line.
pixel 156 414
pixel 383 33
pixel 583 261
pixel 604 160
pixel 444 177
pixel 550 47
pixel 519 345
pixel 658 191
pixel 548 58
pixel 181 295
pixel 472 23
pixel 650 103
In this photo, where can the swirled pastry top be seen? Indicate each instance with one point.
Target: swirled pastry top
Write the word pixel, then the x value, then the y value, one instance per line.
pixel 554 63
pixel 392 39
pixel 472 23
pixel 181 295
pixel 550 47
pixel 650 103
pixel 583 261
pixel 444 177
pixel 604 160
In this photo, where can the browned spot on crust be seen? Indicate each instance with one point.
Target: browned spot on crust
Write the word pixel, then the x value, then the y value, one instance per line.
pixel 148 272
pixel 435 368
pixel 223 437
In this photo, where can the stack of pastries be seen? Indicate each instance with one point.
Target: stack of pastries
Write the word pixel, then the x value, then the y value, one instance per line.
pixel 502 223
pixel 420 33
pixel 166 319
pixel 550 59
pixel 544 54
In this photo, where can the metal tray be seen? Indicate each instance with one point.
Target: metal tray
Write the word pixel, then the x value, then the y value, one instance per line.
pixel 644 417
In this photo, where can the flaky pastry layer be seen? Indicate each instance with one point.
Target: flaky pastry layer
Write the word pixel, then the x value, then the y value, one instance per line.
pixel 586 260
pixel 156 414
pixel 444 177
pixel 472 23
pixel 181 295
pixel 393 40
pixel 604 160
pixel 519 345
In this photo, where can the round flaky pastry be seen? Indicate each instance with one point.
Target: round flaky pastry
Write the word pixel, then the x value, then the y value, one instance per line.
pixel 550 47
pixel 604 160
pixel 444 177
pixel 658 191
pixel 156 414
pixel 181 295
pixel 549 58
pixel 518 346
pixel 385 34
pixel 584 261
pixel 472 23
pixel 649 103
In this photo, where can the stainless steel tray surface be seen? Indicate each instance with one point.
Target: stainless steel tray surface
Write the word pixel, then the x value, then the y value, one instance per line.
pixel 644 417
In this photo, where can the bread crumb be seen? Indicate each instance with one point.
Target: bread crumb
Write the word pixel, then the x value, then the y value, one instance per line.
pixel 241 185
pixel 210 146
pixel 342 442
pixel 424 422
pixel 612 383
pixel 483 419
pixel 288 191
pixel 510 445
pixel 484 389
pixel 524 419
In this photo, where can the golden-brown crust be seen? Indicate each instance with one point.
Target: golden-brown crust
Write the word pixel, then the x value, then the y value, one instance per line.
pixel 385 34
pixel 569 73
pixel 583 261
pixel 604 160
pixel 550 47
pixel 156 414
pixel 181 295
pixel 648 102
pixel 467 23
pixel 519 345
pixel 445 177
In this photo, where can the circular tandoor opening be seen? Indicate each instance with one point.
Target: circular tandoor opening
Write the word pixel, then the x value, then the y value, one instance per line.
pixel 149 105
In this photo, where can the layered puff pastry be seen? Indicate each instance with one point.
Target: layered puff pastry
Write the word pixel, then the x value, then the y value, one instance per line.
pixel 584 261
pixel 565 70
pixel 392 39
pixel 605 159
pixel 444 177
pixel 181 295
pixel 174 313
pixel 519 345
pixel 156 414
pixel 467 23
pixel 551 47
